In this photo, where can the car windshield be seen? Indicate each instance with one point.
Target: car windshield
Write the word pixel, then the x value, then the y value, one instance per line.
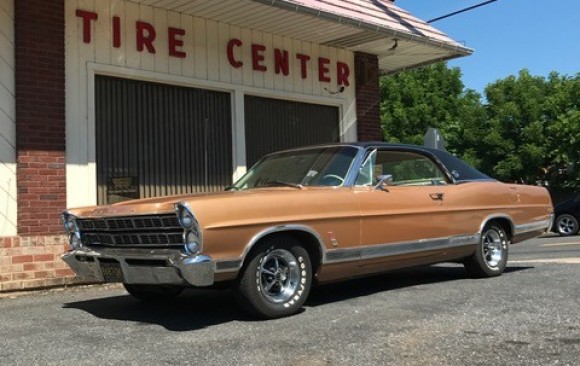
pixel 322 166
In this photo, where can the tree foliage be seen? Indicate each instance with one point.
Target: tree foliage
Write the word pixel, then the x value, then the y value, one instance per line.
pixel 529 129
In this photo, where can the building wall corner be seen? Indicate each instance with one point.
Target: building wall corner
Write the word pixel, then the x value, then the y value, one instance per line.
pixel 367 97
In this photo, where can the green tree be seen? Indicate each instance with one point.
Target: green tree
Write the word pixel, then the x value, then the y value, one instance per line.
pixel 528 130
pixel 415 100
pixel 515 144
pixel 536 128
pixel 433 96
pixel 562 109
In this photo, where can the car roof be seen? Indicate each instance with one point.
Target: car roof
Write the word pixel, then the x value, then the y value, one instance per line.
pixel 464 172
pixel 371 144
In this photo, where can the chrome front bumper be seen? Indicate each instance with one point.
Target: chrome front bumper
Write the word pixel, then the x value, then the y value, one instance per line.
pixel 143 266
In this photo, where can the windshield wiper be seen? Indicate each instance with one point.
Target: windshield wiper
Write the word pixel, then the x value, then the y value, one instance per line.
pixel 272 183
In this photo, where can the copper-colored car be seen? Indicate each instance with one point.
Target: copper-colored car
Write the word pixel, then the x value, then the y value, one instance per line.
pixel 309 215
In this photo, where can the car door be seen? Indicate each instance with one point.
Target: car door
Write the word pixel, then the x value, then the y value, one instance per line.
pixel 402 219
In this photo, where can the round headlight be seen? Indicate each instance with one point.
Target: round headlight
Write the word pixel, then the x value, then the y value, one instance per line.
pixel 185 219
pixel 69 223
pixel 185 216
pixel 192 244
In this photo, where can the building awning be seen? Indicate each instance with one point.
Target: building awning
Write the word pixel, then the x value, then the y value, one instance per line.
pixel 400 40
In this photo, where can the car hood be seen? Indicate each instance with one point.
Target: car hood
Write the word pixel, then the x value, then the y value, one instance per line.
pixel 198 202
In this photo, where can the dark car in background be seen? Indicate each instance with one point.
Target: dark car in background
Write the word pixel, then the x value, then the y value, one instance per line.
pixel 567 216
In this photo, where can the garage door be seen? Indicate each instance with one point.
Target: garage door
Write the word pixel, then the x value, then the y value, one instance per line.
pixel 274 124
pixel 156 139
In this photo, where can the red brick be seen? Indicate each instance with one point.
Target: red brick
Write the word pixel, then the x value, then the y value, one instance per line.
pixel 22 259
pixel 44 258
pixel 5 242
pixel 31 267
pixel 67 272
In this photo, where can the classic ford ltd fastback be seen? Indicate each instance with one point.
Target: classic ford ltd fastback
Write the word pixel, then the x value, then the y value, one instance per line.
pixel 309 215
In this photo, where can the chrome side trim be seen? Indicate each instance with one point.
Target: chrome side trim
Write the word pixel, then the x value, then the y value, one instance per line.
pixel 542 225
pixel 358 253
pixel 400 248
pixel 272 230
pixel 498 216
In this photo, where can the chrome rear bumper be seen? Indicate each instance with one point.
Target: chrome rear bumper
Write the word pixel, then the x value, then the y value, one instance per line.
pixel 143 266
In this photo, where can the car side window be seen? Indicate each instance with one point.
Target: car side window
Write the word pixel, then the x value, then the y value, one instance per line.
pixel 406 168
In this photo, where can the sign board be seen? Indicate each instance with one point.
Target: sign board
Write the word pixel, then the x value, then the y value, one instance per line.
pixel 122 189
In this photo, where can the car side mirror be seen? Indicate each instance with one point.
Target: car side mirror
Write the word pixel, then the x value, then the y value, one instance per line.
pixel 384 181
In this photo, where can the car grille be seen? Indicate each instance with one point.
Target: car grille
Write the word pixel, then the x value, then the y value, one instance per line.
pixel 133 231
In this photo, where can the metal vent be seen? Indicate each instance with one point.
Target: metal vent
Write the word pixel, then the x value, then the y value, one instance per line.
pixel 156 140
pixel 274 124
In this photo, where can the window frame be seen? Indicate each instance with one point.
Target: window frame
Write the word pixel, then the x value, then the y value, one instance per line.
pixel 425 154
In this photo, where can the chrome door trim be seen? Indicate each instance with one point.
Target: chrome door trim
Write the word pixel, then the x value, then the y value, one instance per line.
pixel 399 248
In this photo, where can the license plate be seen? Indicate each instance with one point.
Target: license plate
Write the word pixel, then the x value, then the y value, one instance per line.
pixel 112 272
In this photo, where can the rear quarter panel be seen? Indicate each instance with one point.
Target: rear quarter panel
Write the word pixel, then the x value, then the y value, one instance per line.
pixel 470 205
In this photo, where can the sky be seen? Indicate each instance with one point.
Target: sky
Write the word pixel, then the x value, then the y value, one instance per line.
pixel 508 35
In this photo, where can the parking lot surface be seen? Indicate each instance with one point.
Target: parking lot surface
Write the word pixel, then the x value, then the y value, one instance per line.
pixel 426 316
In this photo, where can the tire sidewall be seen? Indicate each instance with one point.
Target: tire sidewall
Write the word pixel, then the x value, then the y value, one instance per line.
pixel 560 217
pixel 256 302
pixel 493 271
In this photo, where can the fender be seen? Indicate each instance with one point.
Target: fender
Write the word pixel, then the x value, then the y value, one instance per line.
pixel 498 216
pixel 236 264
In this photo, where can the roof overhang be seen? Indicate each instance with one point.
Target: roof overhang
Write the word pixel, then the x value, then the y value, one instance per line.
pixel 400 40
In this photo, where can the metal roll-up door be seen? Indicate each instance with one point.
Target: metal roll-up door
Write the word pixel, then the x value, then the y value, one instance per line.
pixel 155 139
pixel 275 124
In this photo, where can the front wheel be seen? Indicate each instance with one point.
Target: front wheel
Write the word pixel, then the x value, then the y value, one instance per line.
pixel 277 279
pixel 490 258
pixel 153 293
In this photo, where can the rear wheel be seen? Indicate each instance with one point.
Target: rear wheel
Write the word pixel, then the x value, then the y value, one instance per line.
pixel 277 279
pixel 153 293
pixel 490 258
pixel 566 225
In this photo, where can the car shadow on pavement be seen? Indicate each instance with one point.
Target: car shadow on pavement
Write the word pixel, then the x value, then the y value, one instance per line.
pixel 193 309
pixel 405 278
pixel 198 308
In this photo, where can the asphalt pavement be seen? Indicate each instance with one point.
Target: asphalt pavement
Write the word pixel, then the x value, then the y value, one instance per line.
pixel 425 316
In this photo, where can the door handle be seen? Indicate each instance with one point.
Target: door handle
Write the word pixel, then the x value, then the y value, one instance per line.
pixel 437 196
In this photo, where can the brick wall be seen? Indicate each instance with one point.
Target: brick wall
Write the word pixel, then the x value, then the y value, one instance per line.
pixel 40 115
pixel 367 97
pixel 32 259
pixel 33 262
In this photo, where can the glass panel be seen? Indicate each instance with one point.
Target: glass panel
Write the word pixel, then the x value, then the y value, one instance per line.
pixel 326 166
pixel 406 168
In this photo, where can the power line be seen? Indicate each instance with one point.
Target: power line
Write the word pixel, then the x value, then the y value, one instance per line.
pixel 461 11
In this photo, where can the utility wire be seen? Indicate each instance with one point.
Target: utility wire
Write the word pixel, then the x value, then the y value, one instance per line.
pixel 461 11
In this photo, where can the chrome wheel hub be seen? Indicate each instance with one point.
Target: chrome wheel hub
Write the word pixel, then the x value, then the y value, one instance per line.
pixel 566 226
pixel 278 276
pixel 493 248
